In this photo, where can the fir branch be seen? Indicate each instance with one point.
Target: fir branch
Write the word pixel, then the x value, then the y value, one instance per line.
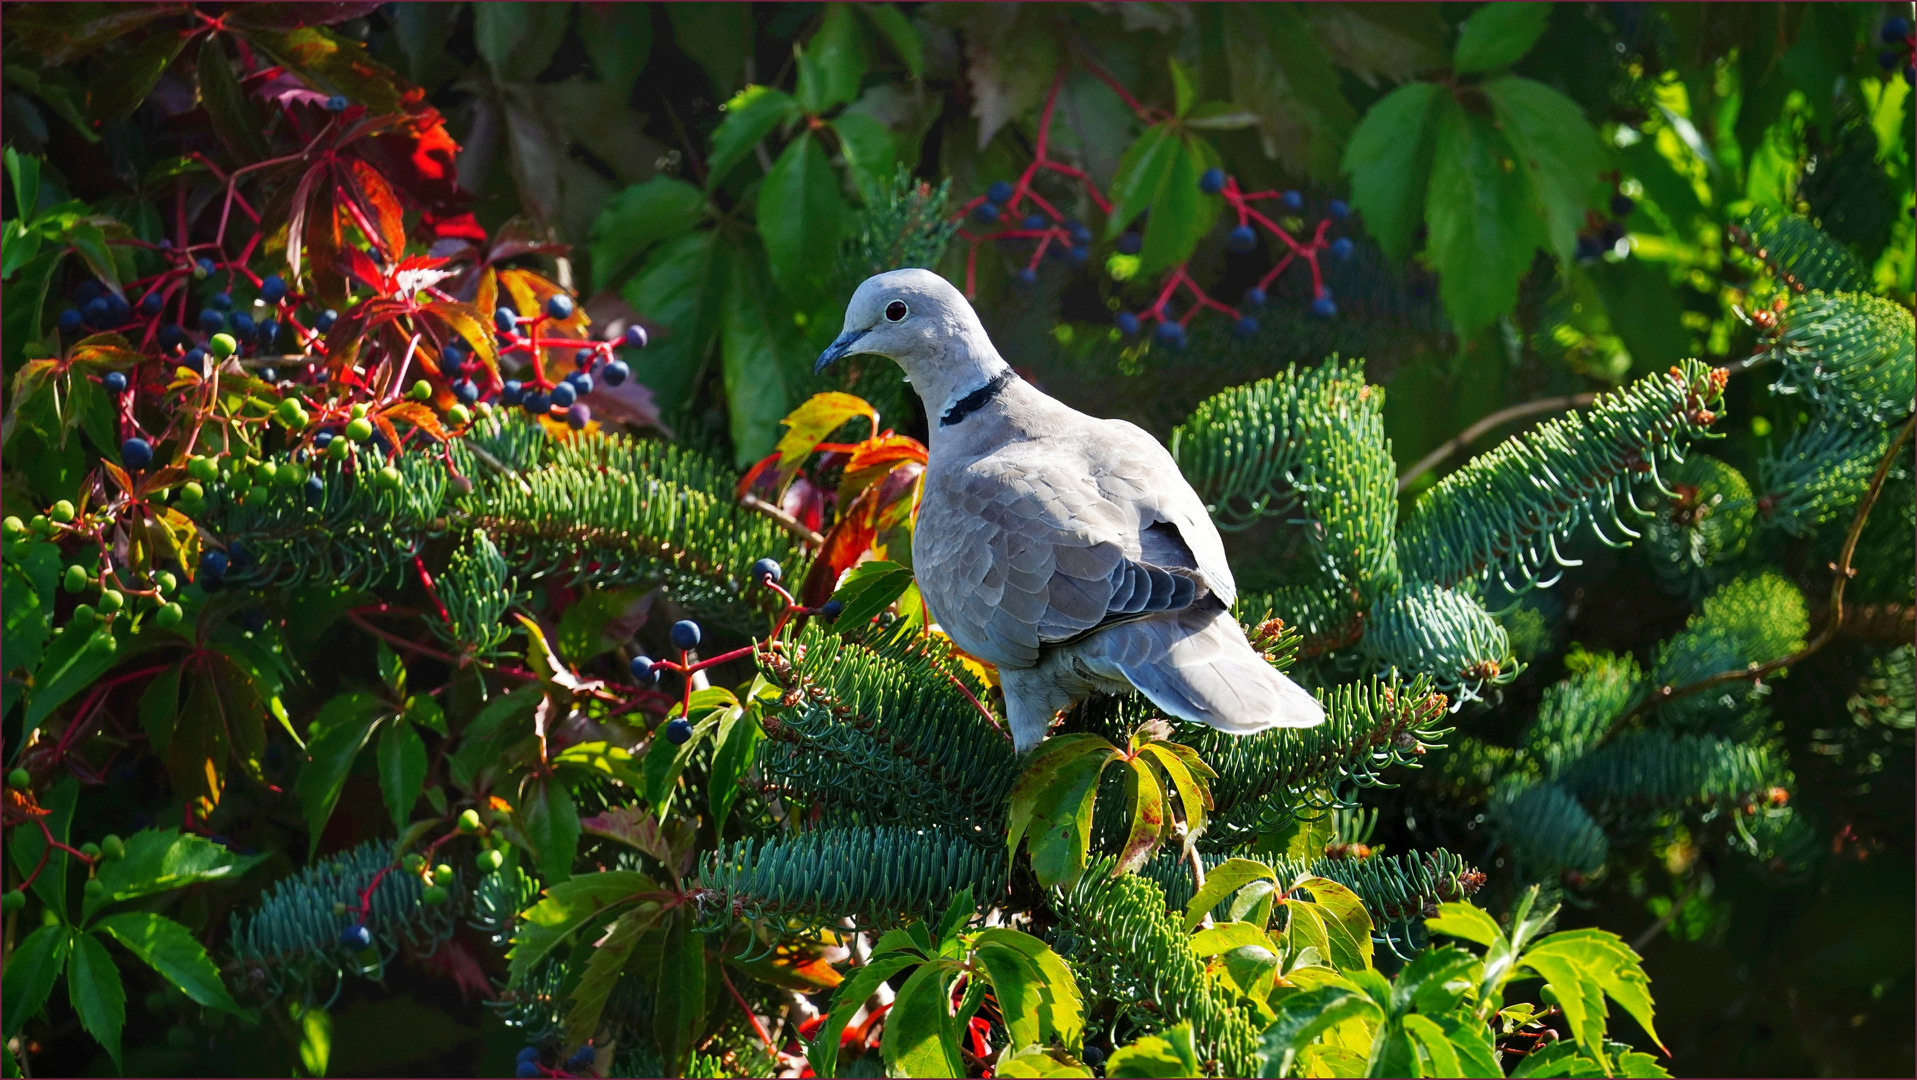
pixel 1823 469
pixel 1490 423
pixel 1399 891
pixel 875 877
pixel 1849 354
pixel 1507 509
pixel 1426 629
pixel 1798 252
pixel 1545 828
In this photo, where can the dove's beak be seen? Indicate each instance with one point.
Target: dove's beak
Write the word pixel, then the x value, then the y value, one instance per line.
pixel 840 346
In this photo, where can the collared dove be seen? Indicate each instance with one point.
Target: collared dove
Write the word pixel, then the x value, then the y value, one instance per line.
pixel 1065 549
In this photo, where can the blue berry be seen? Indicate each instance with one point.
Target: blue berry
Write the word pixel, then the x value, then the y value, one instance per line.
pixel 1172 334
pixel 1081 236
pixel 237 552
pixel 268 374
pixel 1255 297
pixel 71 321
pixel 564 394
pixel 765 570
pixel 615 372
pixel 220 301
pixel 211 321
pixel 1896 29
pixel 315 488
pixel 273 289
pixel 268 332
pixel 559 306
pixel 1212 181
pixel 1245 327
pixel 685 635
pixel 1292 200
pixel 643 671
pixel 1241 239
pixel 530 1053
pixel 118 310
pixel 1127 323
pixel 213 564
pixel 581 1060
pixel 1622 205
pixel 337 103
pixel 205 267
pixel 171 337
pixel 1888 59
pixel 1035 222
pixel 581 382
pixel 985 213
pixel 526 1069
pixel 1093 1056
pixel 1000 191
pixel 87 292
pixel 195 357
pixel 324 439
pixel 98 312
pixel 1341 248
pixel 467 391
pixel 831 610
pixel 1338 209
pixel 151 303
pixel 136 453
pixel 678 731
pixel 356 936
pixel 635 337
pixel 325 320
pixel 505 320
pixel 578 417
pixel 1588 248
pixel 114 381
pixel 537 403
pixel 242 324
pixel 583 358
pixel 1079 255
pixel 1130 243
pixel 1027 276
pixel 511 392
pixel 1323 308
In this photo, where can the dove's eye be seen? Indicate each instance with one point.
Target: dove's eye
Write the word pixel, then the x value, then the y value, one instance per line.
pixel 895 311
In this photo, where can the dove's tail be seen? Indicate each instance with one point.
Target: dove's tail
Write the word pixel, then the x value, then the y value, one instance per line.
pixel 1197 666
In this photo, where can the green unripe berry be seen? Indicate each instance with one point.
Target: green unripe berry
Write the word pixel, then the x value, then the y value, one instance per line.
pixel 338 449
pixel 112 600
pixel 77 579
pixel 359 429
pixel 339 907
pixel 414 862
pixel 179 1036
pixel 103 643
pixel 459 416
pixel 469 821
pixel 164 580
pixel 168 616
pixel 222 346
pixel 442 872
pixel 95 888
pixel 359 411
pixel 421 391
pixel 390 477
pixel 14 900
pixel 85 613
pixel 204 469
pixel 265 471
pixel 112 847
pixel 19 780
pixel 491 860
pixel 192 492
pixel 292 413
pixel 433 895
pixel 90 849
pixel 40 525
pixel 13 527
pixel 290 475
pixel 62 512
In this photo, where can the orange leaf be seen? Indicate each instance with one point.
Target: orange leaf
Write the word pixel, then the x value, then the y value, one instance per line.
pixel 849 539
pixel 877 457
pixel 809 424
pixel 416 414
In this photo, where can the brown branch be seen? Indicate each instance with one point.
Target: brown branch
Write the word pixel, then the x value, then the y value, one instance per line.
pixel 1497 419
pixel 1835 620
pixel 786 521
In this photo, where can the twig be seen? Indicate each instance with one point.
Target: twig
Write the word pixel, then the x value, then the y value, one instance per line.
pixel 1652 931
pixel 1832 623
pixel 786 521
pixel 747 1009
pixel 1497 419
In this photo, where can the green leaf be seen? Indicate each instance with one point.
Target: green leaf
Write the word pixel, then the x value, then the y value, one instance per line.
pixel 899 34
pixel 618 38
pixel 1389 162
pixel 681 288
pixel 1347 924
pixel 550 823
pixel 718 36
pixel 868 589
pixel 823 1050
pixel 170 949
pixel 801 217
pixel 1557 150
pixel 755 381
pixel 1605 959
pixel 1061 816
pixel 868 148
pixel 1467 921
pixel 1171 1053
pixel 1498 35
pixel 833 62
pixel 1435 981
pixel 1578 994
pixel 27 597
pixel 28 844
pixel 1482 230
pixel 339 731
pixel 32 969
pixel 1223 880
pixel 1061 1010
pixel 665 762
pixel 563 909
pixel 734 752
pixel 316 1038
pixel 1433 1045
pixel 23 173
pixel 1304 1016
pixel 679 1009
pixel 161 860
pixel 123 84
pixel 235 120
pixel 602 759
pixel 1184 91
pixel 1558 1059
pixel 518 40
pixel 751 115
pixel 98 996
pixel 503 721
pixel 1140 174
pixel 602 971
pixel 402 769
pixel 423 711
pixel 1145 809
pixel 1159 172
pixel 90 243
pixel 920 1038
pixel 1477 1054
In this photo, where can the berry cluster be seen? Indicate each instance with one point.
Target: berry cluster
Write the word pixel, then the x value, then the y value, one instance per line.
pixel 531 1063
pixel 1599 235
pixel 1896 32
pixel 543 397
pixel 20 808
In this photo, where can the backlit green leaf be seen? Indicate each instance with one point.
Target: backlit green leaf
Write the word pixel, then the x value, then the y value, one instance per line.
pixel 751 115
pixel 402 770
pixel 801 217
pixel 98 996
pixel 1498 35
pixel 1389 162
pixel 171 949
pixel 1482 231
pixel 565 908
pixel 32 969
pixel 920 1038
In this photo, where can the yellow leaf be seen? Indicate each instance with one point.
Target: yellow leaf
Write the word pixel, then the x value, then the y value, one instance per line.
pixel 811 422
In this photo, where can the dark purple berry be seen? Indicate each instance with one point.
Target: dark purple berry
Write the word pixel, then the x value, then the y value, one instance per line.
pixel 213 564
pixel 1079 255
pixel 1292 200
pixel 99 313
pixel 564 394
pixel 1027 276
pixel 1000 191
pixel 505 320
pixel 831 610
pixel 268 333
pixel 1241 239
pixel 243 325
pixel 578 416
pixel 151 303
pixel 356 936
pixel 1323 308
pixel 87 292
pixel 1130 243
pixel 136 453
pixel 643 671
pixel 1094 1056
pixel 583 358
pixel 765 570
pixel 1622 205
pixel 685 635
pixel 581 1060
pixel 526 1069
pixel 211 321
pixel 678 731
pixel 1254 297
pixel 1127 323
pixel 581 382
pixel 273 289
pixel 337 103
pixel 1212 181
pixel 71 322
pixel 1245 327
pixel 268 374
pixel 1081 236
pixel 467 391
pixel 114 381
pixel 615 372
pixel 1341 248
pixel 537 403
pixel 1338 209
pixel 325 320
pixel 206 266
pixel 1895 30
pixel 530 1053
pixel 220 301
pixel 635 337
pixel 511 392
pixel 1888 59
pixel 985 213
pixel 559 306
pixel 1034 222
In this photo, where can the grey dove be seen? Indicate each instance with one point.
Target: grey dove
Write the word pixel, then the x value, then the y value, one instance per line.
pixel 1067 550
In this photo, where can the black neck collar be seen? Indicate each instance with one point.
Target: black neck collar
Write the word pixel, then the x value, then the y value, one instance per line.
pixel 976 400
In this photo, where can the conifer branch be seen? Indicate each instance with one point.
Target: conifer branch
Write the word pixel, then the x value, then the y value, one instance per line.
pixel 1490 423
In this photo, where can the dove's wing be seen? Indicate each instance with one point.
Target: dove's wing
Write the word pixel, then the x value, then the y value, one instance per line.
pixel 1042 542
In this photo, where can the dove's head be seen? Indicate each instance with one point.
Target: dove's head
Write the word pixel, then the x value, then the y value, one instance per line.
pixel 919 320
